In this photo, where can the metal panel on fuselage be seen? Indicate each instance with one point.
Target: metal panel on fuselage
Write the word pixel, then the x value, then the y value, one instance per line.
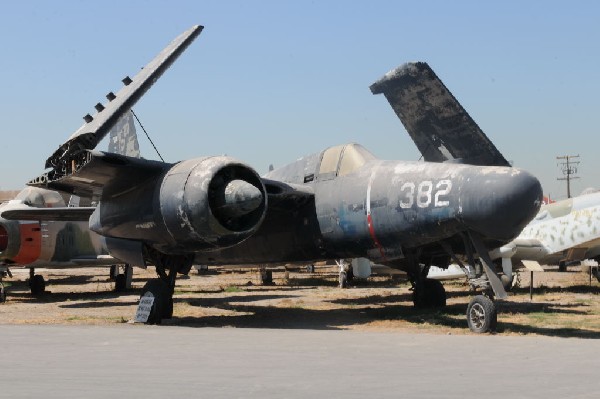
pixel 386 206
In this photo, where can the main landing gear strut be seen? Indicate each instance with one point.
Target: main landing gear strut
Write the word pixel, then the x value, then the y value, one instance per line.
pixel 162 288
pixel 482 314
pixel 346 273
pixel 4 271
pixel 122 280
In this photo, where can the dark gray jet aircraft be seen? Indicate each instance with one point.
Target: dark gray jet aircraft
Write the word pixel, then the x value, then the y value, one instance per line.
pixel 342 203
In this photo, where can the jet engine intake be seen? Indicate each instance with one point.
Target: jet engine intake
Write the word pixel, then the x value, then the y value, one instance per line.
pixel 212 202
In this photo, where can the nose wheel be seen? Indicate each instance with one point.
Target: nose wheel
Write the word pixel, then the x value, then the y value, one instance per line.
pixel 482 315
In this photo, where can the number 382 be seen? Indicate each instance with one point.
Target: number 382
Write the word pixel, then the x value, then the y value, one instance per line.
pixel 425 193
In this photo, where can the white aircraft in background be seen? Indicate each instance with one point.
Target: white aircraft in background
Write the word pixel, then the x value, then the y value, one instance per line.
pixel 563 232
pixel 50 239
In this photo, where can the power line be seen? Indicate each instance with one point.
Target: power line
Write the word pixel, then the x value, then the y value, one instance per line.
pixel 569 168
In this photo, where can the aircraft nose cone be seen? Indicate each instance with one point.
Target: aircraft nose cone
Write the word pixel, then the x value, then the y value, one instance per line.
pixel 499 202
pixel 239 198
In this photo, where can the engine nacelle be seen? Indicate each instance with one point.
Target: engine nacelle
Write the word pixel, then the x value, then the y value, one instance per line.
pixel 212 202
pixel 198 204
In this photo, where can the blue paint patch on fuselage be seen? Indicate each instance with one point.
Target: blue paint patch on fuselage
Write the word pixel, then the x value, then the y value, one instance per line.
pixel 348 221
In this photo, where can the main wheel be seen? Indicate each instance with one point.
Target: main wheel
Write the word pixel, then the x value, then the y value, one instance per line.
pixel 37 285
pixel 2 293
pixel 160 291
pixel 120 282
pixel 481 314
pixel 429 294
pixel 266 277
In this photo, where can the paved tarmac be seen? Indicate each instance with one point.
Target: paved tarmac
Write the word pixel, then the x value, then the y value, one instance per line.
pixel 45 361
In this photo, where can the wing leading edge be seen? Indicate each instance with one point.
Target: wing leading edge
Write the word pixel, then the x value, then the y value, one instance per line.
pixel 435 120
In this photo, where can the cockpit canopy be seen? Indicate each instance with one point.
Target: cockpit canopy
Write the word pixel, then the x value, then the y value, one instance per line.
pixel 40 198
pixel 343 159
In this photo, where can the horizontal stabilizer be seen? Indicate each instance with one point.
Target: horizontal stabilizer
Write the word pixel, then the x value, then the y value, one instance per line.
pixel 435 120
pixel 63 214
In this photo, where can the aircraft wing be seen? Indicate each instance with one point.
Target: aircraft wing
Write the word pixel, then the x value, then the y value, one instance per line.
pixel 105 174
pixel 72 153
pixel 63 214
pixel 434 119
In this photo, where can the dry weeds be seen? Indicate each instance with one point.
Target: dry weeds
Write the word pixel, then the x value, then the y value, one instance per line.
pixel 564 304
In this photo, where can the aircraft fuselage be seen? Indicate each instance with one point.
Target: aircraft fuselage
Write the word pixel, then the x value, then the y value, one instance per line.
pixel 382 208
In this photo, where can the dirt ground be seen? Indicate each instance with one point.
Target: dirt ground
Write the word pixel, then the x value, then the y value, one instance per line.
pixel 564 304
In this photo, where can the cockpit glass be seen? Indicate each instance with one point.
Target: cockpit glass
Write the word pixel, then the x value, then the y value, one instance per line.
pixel 40 198
pixel 353 157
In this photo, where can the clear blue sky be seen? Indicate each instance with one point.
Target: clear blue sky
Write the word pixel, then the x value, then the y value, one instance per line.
pixel 270 81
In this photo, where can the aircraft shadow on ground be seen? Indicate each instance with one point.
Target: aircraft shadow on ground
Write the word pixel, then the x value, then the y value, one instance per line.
pixel 358 312
pixel 92 299
pixel 573 289
pixel 230 301
pixel 96 304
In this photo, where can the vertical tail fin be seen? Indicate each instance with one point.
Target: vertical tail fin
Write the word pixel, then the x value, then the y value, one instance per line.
pixel 123 137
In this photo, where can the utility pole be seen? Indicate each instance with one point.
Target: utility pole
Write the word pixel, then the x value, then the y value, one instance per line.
pixel 569 168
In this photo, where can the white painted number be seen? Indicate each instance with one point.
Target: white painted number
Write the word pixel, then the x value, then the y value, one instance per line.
pixel 408 189
pixel 423 195
pixel 447 186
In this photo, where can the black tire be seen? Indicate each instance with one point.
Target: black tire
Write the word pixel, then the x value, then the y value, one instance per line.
pixel 350 274
pixel 37 285
pixel 2 294
pixel 160 291
pixel 437 293
pixel 429 294
pixel 266 277
pixel 120 283
pixel 168 310
pixel 202 269
pixel 562 266
pixel 482 316
pixel 113 272
pixel 343 280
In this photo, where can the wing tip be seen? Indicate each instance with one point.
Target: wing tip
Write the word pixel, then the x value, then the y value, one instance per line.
pixel 400 74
